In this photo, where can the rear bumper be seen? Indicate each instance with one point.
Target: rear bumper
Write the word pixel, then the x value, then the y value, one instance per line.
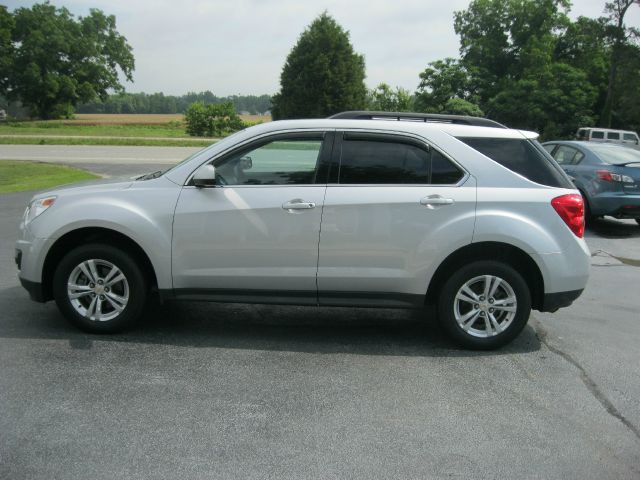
pixel 616 204
pixel 553 301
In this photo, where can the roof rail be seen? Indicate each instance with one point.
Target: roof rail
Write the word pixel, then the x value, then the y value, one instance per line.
pixel 417 117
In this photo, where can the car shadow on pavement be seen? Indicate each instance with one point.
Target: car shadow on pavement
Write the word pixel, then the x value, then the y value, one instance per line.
pixel 609 227
pixel 357 331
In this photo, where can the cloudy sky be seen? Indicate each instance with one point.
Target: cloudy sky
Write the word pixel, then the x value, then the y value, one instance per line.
pixel 239 46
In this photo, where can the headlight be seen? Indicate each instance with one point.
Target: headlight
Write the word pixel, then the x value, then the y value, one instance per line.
pixel 36 207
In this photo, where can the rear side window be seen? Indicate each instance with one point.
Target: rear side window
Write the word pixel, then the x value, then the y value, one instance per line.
pixel 597 134
pixel 524 157
pixel 365 159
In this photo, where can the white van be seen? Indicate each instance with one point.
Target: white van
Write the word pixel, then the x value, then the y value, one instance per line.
pixel 626 137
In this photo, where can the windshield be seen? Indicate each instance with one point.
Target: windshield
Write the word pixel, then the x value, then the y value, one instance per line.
pixel 616 155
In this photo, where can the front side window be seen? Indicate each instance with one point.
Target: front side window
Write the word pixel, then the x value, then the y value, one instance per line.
pixel 613 136
pixel 279 162
pixel 630 137
pixel 368 160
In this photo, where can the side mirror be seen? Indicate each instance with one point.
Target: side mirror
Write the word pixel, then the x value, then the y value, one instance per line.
pixel 205 176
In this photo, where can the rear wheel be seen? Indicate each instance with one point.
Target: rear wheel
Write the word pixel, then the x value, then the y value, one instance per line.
pixel 99 288
pixel 484 305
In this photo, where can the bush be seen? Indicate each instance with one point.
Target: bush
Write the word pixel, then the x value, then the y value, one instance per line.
pixel 215 120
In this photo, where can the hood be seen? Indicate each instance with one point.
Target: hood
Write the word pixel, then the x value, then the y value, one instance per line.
pixel 89 186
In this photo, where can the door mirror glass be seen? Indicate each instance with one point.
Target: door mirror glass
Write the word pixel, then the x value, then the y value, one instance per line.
pixel 205 176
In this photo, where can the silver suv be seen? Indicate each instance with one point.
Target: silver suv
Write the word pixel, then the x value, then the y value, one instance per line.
pixel 362 209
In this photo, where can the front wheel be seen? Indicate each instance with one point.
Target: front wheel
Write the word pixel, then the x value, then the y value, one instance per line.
pixel 484 305
pixel 99 288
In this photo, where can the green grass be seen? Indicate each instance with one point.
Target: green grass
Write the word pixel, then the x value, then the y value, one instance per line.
pixel 150 142
pixel 21 176
pixel 165 130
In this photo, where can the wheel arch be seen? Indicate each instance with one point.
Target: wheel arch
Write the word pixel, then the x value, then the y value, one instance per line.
pixel 498 251
pixel 85 235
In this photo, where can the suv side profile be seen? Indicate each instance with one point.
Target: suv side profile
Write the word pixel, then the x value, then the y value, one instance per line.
pixel 362 209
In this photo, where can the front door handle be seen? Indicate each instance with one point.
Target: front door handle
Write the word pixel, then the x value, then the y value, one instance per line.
pixel 436 201
pixel 298 204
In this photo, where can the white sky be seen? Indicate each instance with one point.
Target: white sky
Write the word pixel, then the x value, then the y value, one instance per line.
pixel 239 46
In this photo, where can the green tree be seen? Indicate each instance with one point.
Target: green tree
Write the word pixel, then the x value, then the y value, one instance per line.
pixel 6 48
pixel 443 81
pixel 619 34
pixel 322 74
pixel 460 106
pixel 386 99
pixel 60 61
pixel 213 120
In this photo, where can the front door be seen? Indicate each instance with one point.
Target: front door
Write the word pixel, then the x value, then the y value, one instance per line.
pixel 256 234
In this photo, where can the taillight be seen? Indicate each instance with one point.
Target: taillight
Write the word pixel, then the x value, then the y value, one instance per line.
pixel 571 209
pixel 608 176
pixel 604 175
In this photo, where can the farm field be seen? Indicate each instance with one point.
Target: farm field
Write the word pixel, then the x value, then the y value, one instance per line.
pixel 108 129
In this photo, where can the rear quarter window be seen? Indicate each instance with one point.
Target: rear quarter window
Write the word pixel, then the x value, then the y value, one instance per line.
pixel 524 157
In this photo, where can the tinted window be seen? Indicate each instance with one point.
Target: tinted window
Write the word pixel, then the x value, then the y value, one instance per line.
pixel 443 172
pixel 366 161
pixel 630 136
pixel 582 133
pixel 524 157
pixel 383 161
pixel 613 135
pixel 597 134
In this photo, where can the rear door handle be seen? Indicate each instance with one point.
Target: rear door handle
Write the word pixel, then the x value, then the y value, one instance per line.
pixel 298 204
pixel 436 201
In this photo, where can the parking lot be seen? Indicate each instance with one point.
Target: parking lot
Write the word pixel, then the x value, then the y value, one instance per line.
pixel 242 391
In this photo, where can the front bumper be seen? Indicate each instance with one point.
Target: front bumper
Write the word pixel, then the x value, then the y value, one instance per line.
pixel 553 301
pixel 36 292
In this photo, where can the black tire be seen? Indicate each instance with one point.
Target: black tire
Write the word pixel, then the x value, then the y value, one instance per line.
pixel 513 324
pixel 638 221
pixel 133 287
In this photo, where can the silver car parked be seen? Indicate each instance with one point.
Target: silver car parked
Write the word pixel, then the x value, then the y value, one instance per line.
pixel 363 209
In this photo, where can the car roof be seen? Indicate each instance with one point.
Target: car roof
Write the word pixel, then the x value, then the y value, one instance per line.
pixel 416 128
pixel 586 145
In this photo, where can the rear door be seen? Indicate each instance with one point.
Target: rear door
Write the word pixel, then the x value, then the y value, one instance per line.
pixel 392 205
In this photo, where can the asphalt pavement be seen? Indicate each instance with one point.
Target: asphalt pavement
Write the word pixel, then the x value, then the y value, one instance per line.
pixel 258 392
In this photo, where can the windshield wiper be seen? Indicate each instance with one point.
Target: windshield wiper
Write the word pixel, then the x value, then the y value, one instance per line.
pixel 150 176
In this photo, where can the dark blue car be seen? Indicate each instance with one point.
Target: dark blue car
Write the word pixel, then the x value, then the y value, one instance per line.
pixel 607 175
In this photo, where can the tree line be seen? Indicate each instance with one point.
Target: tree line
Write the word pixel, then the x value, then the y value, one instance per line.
pixel 524 63
pixel 161 103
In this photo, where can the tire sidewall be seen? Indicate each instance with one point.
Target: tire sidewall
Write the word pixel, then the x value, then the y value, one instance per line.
pixel 448 293
pixel 130 269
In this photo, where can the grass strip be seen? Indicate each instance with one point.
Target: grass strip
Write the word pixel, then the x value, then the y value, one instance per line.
pixel 34 140
pixel 20 176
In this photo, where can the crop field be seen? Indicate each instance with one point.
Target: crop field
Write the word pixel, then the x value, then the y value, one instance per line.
pixel 108 129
